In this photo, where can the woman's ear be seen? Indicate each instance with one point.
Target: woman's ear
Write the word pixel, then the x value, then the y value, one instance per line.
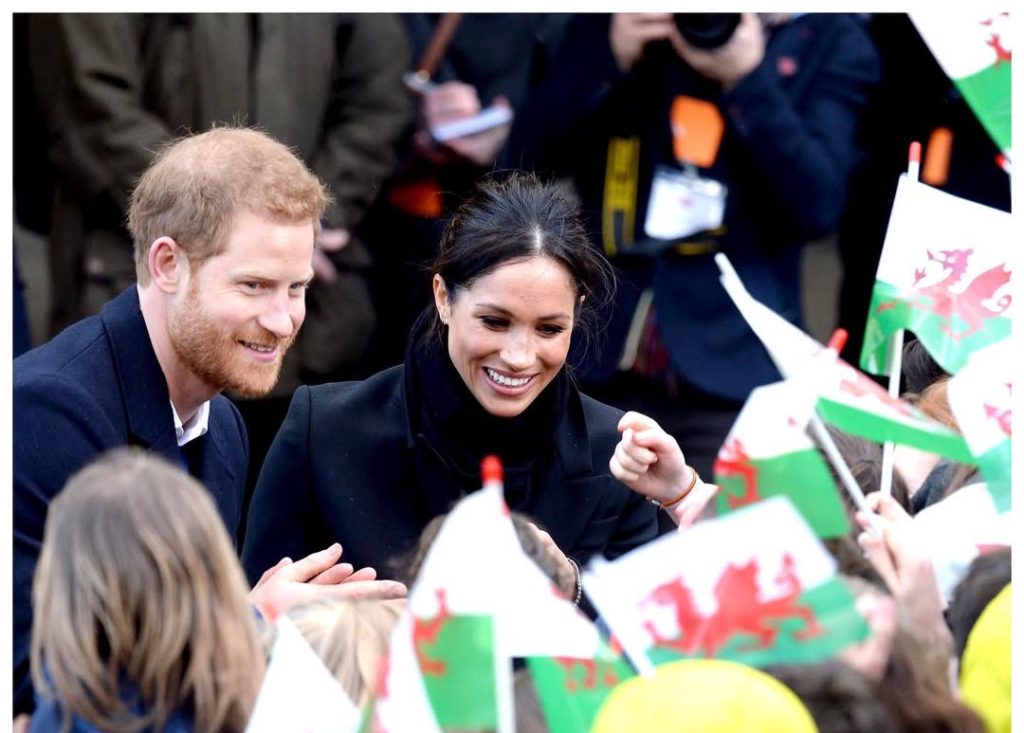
pixel 168 264
pixel 441 300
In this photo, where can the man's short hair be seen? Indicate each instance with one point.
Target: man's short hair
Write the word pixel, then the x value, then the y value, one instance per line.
pixel 195 185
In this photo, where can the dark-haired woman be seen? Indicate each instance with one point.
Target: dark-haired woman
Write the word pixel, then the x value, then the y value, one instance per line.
pixel 369 464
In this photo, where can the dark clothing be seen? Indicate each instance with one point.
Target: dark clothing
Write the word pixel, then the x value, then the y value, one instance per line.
pixel 416 436
pixel 22 336
pixel 789 144
pixel 49 716
pixel 94 387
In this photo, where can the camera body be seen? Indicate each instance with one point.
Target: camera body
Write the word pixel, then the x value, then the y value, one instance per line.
pixel 707 31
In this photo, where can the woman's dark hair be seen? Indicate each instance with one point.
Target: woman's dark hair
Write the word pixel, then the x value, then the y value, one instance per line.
pixel 919 369
pixel 512 217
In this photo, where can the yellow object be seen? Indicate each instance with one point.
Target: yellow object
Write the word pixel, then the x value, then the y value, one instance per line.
pixel 618 213
pixel 706 696
pixel 985 669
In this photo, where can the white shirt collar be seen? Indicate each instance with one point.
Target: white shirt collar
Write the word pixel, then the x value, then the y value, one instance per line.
pixel 195 428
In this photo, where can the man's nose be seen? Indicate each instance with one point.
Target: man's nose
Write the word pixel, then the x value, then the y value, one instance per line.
pixel 277 317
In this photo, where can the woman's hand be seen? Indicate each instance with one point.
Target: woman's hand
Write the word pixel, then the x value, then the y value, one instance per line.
pixel 649 461
pixel 566 574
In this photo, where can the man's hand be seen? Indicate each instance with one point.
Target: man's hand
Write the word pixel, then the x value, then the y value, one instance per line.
pixel 649 461
pixel 630 32
pixel 316 577
pixel 730 63
pixel 330 240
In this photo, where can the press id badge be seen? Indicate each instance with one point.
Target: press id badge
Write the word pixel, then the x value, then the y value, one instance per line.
pixel 682 203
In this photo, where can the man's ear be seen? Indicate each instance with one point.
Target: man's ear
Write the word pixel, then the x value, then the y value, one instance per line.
pixel 168 264
pixel 441 299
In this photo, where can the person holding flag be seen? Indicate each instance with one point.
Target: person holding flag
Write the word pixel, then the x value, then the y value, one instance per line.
pixel 369 464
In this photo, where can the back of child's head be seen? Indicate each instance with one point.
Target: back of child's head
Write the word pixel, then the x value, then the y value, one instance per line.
pixel 139 601
pixel 351 637
pixel 840 698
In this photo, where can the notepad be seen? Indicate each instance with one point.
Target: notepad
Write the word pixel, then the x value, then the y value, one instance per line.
pixel 486 119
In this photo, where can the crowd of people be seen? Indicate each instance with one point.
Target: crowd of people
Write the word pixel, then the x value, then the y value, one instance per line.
pixel 295 313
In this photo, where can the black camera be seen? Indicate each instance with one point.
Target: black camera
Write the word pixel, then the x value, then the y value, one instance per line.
pixel 707 31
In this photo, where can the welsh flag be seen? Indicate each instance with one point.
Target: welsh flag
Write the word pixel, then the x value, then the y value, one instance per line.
pixel 980 396
pixel 767 453
pixel 298 692
pixel 974 47
pixel 755 586
pixel 944 274
pixel 848 399
pixel 954 531
pixel 478 602
pixel 571 691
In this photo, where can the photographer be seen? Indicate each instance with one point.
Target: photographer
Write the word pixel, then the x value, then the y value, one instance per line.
pixel 687 135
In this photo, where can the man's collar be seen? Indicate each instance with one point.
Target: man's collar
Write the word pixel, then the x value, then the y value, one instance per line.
pixel 196 426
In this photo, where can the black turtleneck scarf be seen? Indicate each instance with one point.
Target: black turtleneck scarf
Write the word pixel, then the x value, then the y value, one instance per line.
pixel 446 415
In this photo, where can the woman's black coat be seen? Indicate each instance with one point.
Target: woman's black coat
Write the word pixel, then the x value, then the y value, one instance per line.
pixel 347 467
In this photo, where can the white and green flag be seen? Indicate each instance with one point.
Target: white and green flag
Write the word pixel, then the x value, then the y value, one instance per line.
pixel 478 601
pixel 944 274
pixel 980 396
pixel 755 586
pixel 974 47
pixel 298 692
pixel 848 399
pixel 767 452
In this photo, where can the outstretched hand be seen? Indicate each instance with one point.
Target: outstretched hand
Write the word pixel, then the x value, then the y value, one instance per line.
pixel 649 461
pixel 316 577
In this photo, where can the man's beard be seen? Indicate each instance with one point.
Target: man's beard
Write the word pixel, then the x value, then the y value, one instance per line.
pixel 215 356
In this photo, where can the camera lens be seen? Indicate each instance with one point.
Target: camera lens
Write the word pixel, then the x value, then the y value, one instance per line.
pixel 707 30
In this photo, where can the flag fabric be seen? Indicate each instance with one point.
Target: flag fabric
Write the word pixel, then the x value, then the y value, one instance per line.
pixel 954 531
pixel 980 397
pixel 755 586
pixel 478 602
pixel 848 399
pixel 299 693
pixel 401 702
pixel 944 274
pixel 767 452
pixel 974 48
pixel 571 691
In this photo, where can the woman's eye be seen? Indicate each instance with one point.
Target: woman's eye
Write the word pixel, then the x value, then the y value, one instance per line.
pixel 551 330
pixel 492 322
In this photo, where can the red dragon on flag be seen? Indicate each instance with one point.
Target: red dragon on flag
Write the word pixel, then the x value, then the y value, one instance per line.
pixel 974 304
pixel 739 610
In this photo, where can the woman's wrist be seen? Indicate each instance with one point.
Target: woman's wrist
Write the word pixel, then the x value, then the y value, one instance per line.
pixel 676 498
pixel 578 582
